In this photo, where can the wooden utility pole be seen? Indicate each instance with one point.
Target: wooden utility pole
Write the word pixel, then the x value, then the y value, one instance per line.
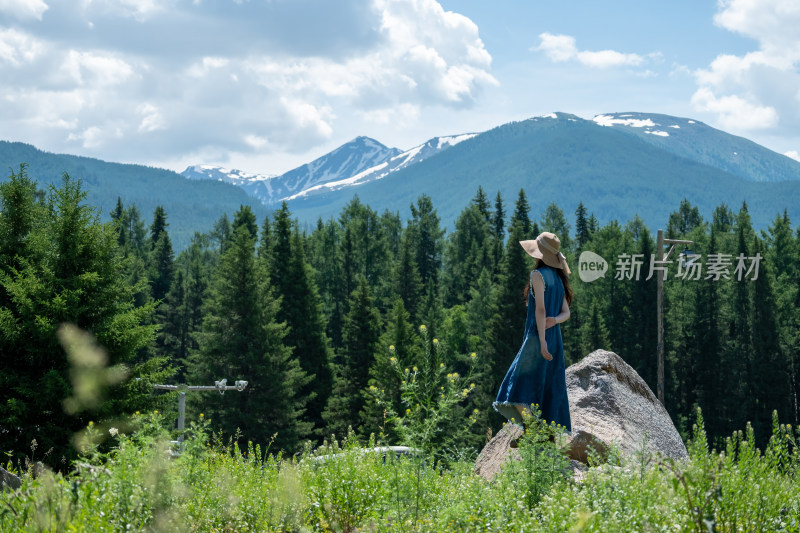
pixel 660 257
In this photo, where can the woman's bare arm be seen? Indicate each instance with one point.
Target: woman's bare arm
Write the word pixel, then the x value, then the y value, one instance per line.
pixel 563 316
pixel 538 295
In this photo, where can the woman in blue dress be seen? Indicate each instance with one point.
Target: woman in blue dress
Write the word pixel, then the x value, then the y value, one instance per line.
pixel 538 374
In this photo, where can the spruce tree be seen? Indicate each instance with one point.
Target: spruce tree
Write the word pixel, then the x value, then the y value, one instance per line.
pixel 300 308
pixel 242 339
pixel 770 377
pixel 360 342
pixel 407 281
pixel 66 269
pixel 499 234
pixel 582 233
pixel 595 333
pixel 398 347
pixel 426 237
pixel 554 221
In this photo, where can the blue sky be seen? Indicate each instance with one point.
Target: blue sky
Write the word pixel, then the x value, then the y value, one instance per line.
pixel 266 85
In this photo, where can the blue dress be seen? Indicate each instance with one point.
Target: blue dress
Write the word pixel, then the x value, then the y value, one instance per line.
pixel 532 379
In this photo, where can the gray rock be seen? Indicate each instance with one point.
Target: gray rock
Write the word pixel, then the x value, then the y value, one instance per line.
pixel 610 404
pixel 611 407
pixel 8 480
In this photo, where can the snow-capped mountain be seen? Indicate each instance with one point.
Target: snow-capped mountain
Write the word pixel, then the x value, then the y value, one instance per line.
pixel 253 184
pixel 702 143
pixel 345 161
pixel 619 165
pixel 393 164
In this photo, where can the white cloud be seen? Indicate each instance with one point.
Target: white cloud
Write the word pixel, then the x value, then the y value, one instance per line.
pixel 735 113
pixel 96 68
pixel 24 9
pixel 152 120
pixel 793 154
pixel 18 48
pixel 161 79
pixel 140 10
pixel 763 82
pixel 562 48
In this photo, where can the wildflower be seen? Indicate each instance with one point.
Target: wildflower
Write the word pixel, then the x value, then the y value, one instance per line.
pixel 471 385
pixel 416 369
pixel 393 359
pixel 391 347
pixel 407 371
pixel 202 415
pixel 373 388
pixel 91 423
pixel 423 329
pixel 435 341
pixel 408 411
pixel 473 355
pixel 464 392
pixel 137 412
pixel 475 411
pixel 441 365
pixel 155 412
pixel 113 431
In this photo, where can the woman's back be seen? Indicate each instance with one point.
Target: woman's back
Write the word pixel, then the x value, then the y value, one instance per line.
pixel 553 296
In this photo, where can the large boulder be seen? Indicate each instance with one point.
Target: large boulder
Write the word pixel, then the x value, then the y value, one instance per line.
pixel 8 480
pixel 610 406
pixel 609 403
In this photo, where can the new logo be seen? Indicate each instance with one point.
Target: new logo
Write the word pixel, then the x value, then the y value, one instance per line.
pixel 591 266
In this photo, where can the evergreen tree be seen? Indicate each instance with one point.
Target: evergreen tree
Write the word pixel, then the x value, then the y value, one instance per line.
pixel 66 269
pixel 173 338
pixel 499 234
pixel 161 267
pixel 481 202
pixel 245 217
pixel 407 281
pixel 521 217
pixel 360 343
pixel 158 226
pixel 221 233
pixel 770 377
pixel 554 221
pixel 469 250
pixel 400 342
pixel 705 349
pixel 118 218
pixel 300 309
pixel 426 237
pixel 595 333
pixel 135 232
pixel 683 221
pixel 582 233
pixel 639 347
pixel 242 339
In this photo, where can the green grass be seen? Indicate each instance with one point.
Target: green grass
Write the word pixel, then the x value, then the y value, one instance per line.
pixel 136 484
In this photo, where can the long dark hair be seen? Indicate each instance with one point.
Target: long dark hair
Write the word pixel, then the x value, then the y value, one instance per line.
pixel 564 280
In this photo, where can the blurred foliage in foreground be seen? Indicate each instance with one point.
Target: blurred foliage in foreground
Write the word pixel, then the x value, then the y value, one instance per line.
pixel 214 486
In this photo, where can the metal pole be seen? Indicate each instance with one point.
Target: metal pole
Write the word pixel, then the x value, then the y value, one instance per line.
pixel 660 315
pixel 181 416
pixel 220 386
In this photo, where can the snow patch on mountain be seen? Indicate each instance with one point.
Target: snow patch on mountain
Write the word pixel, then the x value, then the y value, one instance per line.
pixel 350 159
pixel 611 120
pixel 380 171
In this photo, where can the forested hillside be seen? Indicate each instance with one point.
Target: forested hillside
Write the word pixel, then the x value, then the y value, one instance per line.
pixel 193 205
pixel 321 322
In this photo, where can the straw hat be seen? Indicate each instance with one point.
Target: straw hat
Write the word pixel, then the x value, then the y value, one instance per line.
pixel 545 247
